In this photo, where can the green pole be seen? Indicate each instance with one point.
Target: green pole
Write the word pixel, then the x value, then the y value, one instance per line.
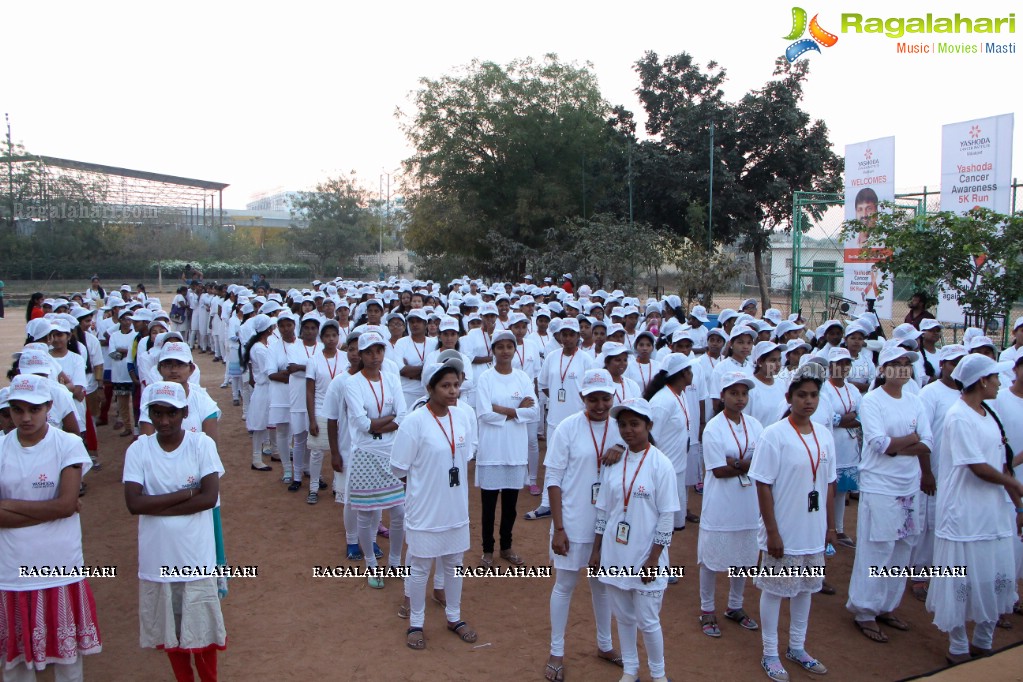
pixel 710 201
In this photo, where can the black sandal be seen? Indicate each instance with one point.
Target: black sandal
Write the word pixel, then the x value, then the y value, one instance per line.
pixel 469 636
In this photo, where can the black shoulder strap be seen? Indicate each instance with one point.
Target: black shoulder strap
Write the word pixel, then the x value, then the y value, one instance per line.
pixel 1009 455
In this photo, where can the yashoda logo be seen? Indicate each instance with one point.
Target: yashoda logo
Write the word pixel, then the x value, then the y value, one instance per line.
pixel 818 36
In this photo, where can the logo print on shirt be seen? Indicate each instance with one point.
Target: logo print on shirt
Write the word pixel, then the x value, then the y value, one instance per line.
pixel 44 482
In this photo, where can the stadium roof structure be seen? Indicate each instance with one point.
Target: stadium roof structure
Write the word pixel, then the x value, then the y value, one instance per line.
pixel 153 197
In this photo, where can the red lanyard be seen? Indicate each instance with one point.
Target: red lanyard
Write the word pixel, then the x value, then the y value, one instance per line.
pixel 813 465
pixel 486 342
pixel 327 364
pixel 307 353
pixel 627 494
pixel 847 394
pixel 543 340
pixel 380 402
pixel 564 370
pixel 422 356
pixel 451 423
pixel 600 450
pixel 522 357
pixel 649 376
pixel 743 449
pixel 622 397
pixel 682 405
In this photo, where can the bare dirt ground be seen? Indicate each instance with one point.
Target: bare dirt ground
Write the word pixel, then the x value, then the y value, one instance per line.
pixel 287 625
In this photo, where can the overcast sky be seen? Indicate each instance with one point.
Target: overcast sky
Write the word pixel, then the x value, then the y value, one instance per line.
pixel 281 95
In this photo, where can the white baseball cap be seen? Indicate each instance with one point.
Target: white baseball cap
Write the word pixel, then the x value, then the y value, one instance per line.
pixel 892 351
pixel 764 348
pixel 596 380
pixel 729 379
pixel 370 338
pixel 431 369
pixel 951 352
pixel 570 324
pixel 176 350
pixel 261 322
pixel 33 361
pixel 29 388
pixel 929 324
pixel 974 367
pixel 168 392
pixel 637 405
pixel 503 335
pixel 612 349
pixel 726 315
pixel 700 313
pixel 674 363
pixel 980 342
pixel 837 354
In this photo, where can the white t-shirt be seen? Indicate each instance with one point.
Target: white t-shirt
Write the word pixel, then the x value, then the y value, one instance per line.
pixel 408 352
pixel 626 390
pixel 545 344
pixel 97 357
pixel 766 401
pixel 73 365
pixel 334 408
pixel 173 541
pixel 424 453
pixel 1010 354
pixel 527 358
pixel 642 374
pixel 63 404
pixel 572 460
pixel 674 421
pixel 1010 410
pixel 654 493
pixel 728 365
pixel 560 373
pixel 364 401
pixel 937 399
pixel 883 418
pixel 119 368
pixel 300 354
pixel 33 474
pixel 728 505
pixel 503 440
pixel 863 370
pixel 782 462
pixel 969 508
pixel 843 399
pixel 322 370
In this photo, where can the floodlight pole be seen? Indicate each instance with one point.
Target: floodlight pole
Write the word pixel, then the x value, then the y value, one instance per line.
pixel 710 197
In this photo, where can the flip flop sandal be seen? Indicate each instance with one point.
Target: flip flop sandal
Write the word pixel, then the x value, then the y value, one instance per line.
pixel 692 518
pixel 557 673
pixel 485 562
pixel 919 590
pixel 893 621
pixel 467 636
pixel 419 643
pixel 1017 608
pixel 809 664
pixel 617 660
pixel 354 553
pixel 740 617
pixel 443 603
pixel 377 552
pixel 846 541
pixel 1004 623
pixel 383 531
pixel 404 611
pixel 874 634
pixel 709 625
pixel 512 558
pixel 827 589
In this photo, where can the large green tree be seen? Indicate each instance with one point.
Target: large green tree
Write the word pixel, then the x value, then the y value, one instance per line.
pixel 765 148
pixel 341 225
pixel 502 153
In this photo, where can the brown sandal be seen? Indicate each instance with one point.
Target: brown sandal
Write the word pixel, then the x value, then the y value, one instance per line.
pixel 469 635
pixel 874 634
pixel 511 557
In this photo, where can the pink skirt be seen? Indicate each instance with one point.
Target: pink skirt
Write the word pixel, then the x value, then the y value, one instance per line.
pixel 55 625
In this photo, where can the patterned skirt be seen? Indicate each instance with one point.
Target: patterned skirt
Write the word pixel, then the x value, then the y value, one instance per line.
pixel 371 484
pixel 55 625
pixel 791 586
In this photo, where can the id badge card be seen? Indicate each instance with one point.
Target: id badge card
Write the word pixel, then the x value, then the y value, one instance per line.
pixel 594 491
pixel 453 479
pixel 561 395
pixel 744 481
pixel 622 536
pixel 813 501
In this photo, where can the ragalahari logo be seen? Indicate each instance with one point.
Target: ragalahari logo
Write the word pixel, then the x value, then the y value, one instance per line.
pixel 818 36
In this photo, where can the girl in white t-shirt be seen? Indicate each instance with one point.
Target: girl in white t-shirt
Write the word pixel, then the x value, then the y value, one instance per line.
pixel 636 505
pixel 674 424
pixel 256 356
pixel 172 482
pixel 794 469
pixel 573 465
pixel 730 515
pixel 432 450
pixel 321 369
pixel 299 356
pixel 41 469
pixel 975 525
pixel 643 366
pixel 615 359
pixel 507 403
pixel 767 397
pixel 737 356
pixel 844 400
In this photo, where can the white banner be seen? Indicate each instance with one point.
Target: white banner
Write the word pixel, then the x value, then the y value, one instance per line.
pixel 869 180
pixel 976 171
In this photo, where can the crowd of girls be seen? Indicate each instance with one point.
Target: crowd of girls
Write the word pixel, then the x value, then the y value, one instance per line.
pixel 399 385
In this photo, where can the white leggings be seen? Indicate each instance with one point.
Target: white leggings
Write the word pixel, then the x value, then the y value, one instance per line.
pixel 838 511
pixel 300 454
pixel 561 600
pixel 246 393
pixel 315 466
pixel 283 433
pixel 70 672
pixel 683 500
pixel 257 447
pixel 639 609
pixel 415 586
pixel 799 615
pixel 367 525
pixel 983 638
pixel 708 578
pixel 533 458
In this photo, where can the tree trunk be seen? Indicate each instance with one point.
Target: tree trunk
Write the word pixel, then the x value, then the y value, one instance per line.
pixel 758 266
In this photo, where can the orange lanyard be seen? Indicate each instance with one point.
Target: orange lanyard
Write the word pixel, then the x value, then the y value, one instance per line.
pixel 682 405
pixel 599 450
pixel 522 356
pixel 627 494
pixel 380 402
pixel 564 370
pixel 649 376
pixel 451 423
pixel 847 394
pixel 813 465
pixel 743 449
pixel 334 369
pixel 422 356
pixel 622 397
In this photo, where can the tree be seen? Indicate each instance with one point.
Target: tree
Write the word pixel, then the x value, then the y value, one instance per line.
pixel 341 226
pixel 502 153
pixel 702 272
pixel 976 256
pixel 765 148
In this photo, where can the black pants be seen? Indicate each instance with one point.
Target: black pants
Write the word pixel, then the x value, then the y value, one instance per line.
pixel 508 500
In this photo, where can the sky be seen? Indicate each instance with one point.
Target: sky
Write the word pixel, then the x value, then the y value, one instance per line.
pixel 267 96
